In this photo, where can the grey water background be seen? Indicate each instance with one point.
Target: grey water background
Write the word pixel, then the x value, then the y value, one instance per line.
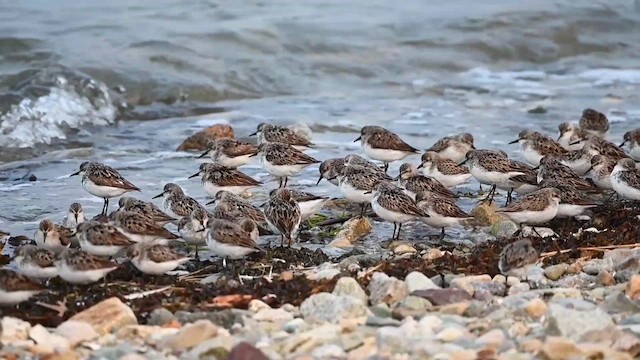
pixel 124 82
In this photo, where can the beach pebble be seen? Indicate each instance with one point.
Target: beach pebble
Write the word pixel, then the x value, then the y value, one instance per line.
pixel 555 272
pixel 443 296
pixel 348 286
pixel 383 288
pixel 492 338
pixel 191 335
pixel 256 305
pixel 46 340
pixel 575 318
pixel 536 308
pixel 411 306
pixel 295 325
pixel 107 315
pixel 633 288
pixel 199 140
pixel 160 316
pixel 13 329
pixel 273 315
pixel 418 281
pixel 219 346
pixel 325 307
pixel 144 333
pixel 76 332
pixel 351 231
pixel 468 283
pixel 329 351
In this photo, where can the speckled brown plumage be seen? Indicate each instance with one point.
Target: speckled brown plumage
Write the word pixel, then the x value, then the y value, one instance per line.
pixel 224 176
pixel 593 120
pixel 80 260
pixel 536 201
pixel 11 281
pixel 380 138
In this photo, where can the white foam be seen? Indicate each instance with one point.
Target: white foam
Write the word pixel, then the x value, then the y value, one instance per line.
pixel 604 77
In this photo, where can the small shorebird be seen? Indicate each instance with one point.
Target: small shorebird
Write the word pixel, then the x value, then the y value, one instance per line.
pixel 144 208
pixel 633 139
pixel 551 169
pixel 383 145
pixel 492 167
pixel 229 152
pixel 414 183
pixel 535 145
pixel 35 263
pixel 353 159
pixel 453 147
pixel 231 239
pixel 16 288
pixel 571 137
pixel 517 258
pixel 625 179
pixel 269 133
pixel 191 228
pixel 329 169
pixel 443 169
pixel 283 160
pixel 230 207
pixel 599 146
pixel 600 171
pixel 74 217
pixel 141 229
pixel 393 205
pixel 309 203
pixel 79 267
pixel 103 181
pixel 176 202
pixel 443 212
pixel 216 177
pixel 52 237
pixel 594 122
pixel 572 202
pixel 577 160
pixel 101 239
pixel 520 184
pixel 283 214
pixel 536 208
pixel 155 259
pixel 356 183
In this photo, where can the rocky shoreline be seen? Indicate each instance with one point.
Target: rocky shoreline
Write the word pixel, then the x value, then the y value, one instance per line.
pixel 417 301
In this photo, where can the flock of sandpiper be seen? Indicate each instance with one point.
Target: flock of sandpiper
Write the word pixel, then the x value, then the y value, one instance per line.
pixel 555 181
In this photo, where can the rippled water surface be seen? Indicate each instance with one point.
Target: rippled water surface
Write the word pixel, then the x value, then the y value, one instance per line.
pixel 125 83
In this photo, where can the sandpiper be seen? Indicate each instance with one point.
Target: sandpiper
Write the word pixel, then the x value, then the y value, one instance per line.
pixel 520 184
pixel 191 228
pixel 101 239
pixel 577 160
pixel 329 169
pixel 229 152
pixel 443 169
pixel 280 134
pixel 231 240
pixel 536 208
pixel 383 145
pixel 283 214
pixel 141 229
pixel 52 237
pixel 230 207
pixel 571 137
pixel 16 288
pixel 353 159
pixel 79 267
pixel 414 183
pixel 551 169
pixel 633 139
pixel 625 179
pixel 594 122
pixel 216 177
pixel 517 258
pixel 492 167
pixel 393 205
pixel 357 182
pixel 103 181
pixel 177 202
pixel 443 212
pixel 572 202
pixel 35 263
pixel 453 147
pixel 600 171
pixel 145 208
pixel 535 145
pixel 309 203
pixel 155 259
pixel 599 146
pixel 283 160
pixel 74 217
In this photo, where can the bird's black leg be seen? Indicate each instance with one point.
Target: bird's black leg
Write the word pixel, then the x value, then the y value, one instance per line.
pixel 399 228
pixel 386 167
pixel 281 240
pixel 509 198
pixel 442 234
pixel 393 236
pixel 493 193
pixel 536 231
pixel 286 179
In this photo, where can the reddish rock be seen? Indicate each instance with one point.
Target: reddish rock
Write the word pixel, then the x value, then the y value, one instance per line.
pixel 199 140
pixel 443 296
pixel 246 351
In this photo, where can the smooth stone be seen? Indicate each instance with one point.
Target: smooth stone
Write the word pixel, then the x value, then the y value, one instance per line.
pixel 13 329
pixel 303 343
pixel 383 288
pixel 619 302
pixel 295 325
pixel 558 348
pixel 605 278
pixel 493 338
pixel 536 308
pixel 450 334
pixel 411 306
pixel 351 231
pixel 224 318
pixel 443 296
pixel 348 286
pixel 218 347
pixel 633 288
pixel 377 321
pixel 191 335
pixel 256 305
pixel 380 310
pixel 486 215
pixel 503 229
pixel 468 283
pixel 107 316
pixel 486 291
pixel 160 316
pixel 575 319
pixel 325 307
pixel 329 351
pixel 199 140
pixel 519 288
pixel 76 332
pixel 144 333
pixel 555 272
pixel 404 249
pixel 418 281
pixel 273 315
pixel 430 323
pixel 43 337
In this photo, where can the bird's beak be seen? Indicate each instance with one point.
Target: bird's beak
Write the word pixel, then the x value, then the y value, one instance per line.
pixel 514 141
pixel 575 142
pixel 473 147
pixel 254 134
pixel 590 168
pixel 254 154
pixel 369 192
pixel 200 230
pixel 75 215
pixel 211 202
pixel 319 179
pixel 194 175
pixel 463 163
pixel 203 154
pixel 420 166
pixel 621 145
pixel 158 196
pixel 536 168
pixel 358 139
pixel 44 236
pixel 75 173
pixel 397 177
pixel 263 204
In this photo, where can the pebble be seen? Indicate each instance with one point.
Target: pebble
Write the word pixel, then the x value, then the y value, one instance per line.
pixel 191 335
pixel 555 272
pixel 450 334
pixel 519 288
pixel 418 281
pixel 325 307
pixel 348 286
pixel 351 231
pixel 468 283
pixel 224 318
pixel 404 249
pixel 295 325
pixel 160 316
pixel 144 333
pixel 12 330
pixel 46 340
pixel 256 305
pixel 329 351
pixel 619 302
pixel 493 338
pixel 633 288
pixel 605 278
pixel 219 347
pixel 574 319
pixel 376 321
pixel 76 332
pixel 107 315
pixel 536 308
pixel 273 315
pixel 443 296
pixel 411 306
pixel 199 140
pixel 383 288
